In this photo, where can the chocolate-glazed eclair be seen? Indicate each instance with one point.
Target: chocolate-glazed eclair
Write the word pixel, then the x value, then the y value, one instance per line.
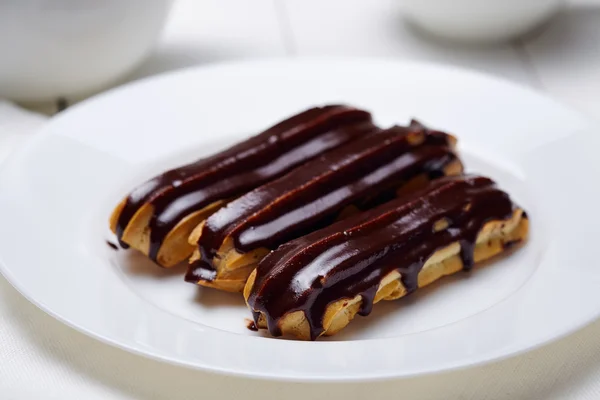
pixel 158 216
pixel 316 284
pixel 358 175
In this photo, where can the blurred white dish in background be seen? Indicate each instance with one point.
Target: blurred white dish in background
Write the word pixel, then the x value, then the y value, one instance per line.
pixel 480 20
pixel 59 48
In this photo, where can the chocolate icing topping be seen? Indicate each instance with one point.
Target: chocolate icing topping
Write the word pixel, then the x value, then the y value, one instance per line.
pixel 250 325
pixel 240 168
pixel 362 173
pixel 352 256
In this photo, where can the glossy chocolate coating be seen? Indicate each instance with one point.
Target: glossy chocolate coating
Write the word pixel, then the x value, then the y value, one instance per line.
pixel 241 168
pixel 351 257
pixel 250 325
pixel 362 173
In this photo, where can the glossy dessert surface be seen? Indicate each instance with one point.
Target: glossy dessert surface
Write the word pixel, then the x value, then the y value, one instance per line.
pixel 238 169
pixel 360 174
pixel 353 256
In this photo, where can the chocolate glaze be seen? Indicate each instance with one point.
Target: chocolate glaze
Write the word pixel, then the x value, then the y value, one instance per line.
pixel 240 168
pixel 364 173
pixel 251 325
pixel 511 244
pixel 351 257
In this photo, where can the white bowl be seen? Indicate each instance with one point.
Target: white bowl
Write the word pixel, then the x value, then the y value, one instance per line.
pixel 59 48
pixel 480 20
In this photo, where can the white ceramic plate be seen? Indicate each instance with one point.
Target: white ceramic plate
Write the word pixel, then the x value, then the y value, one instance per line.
pixel 56 194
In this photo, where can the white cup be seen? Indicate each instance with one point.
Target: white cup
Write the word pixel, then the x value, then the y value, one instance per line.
pixel 480 20
pixel 54 48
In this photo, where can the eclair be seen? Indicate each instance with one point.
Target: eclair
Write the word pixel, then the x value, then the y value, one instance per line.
pixel 158 216
pixel 316 284
pixel 357 176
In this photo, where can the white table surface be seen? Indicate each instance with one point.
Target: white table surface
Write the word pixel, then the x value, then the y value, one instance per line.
pixel 42 359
